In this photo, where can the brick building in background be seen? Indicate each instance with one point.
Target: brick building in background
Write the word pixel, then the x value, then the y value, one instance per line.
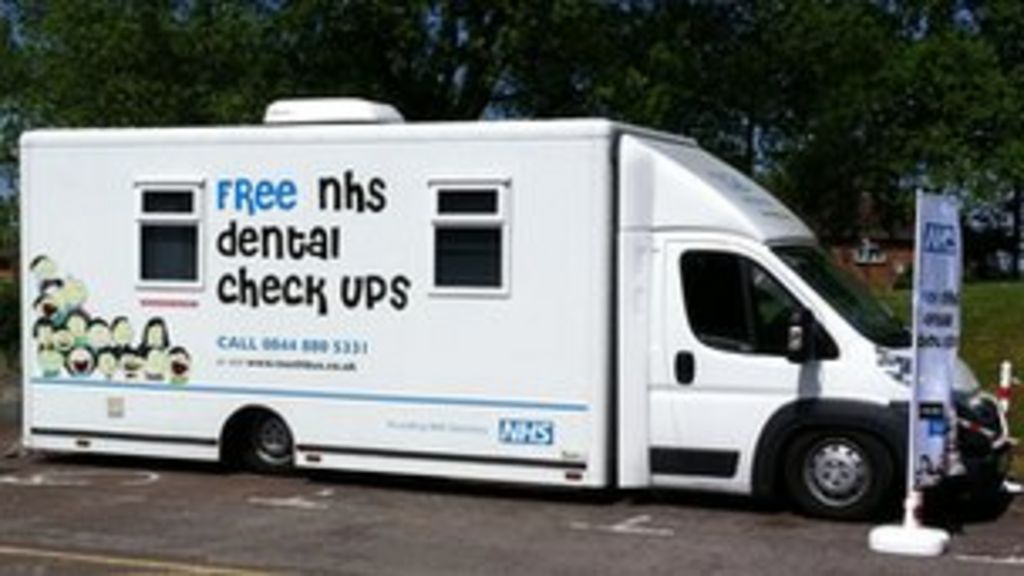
pixel 884 258
pixel 881 256
pixel 882 262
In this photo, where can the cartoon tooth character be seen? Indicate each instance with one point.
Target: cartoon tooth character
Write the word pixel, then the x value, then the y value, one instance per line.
pixel 80 362
pixel 107 363
pixel 98 335
pixel 77 323
pixel 43 268
pixel 50 361
pixel 73 294
pixel 42 332
pixel 180 365
pixel 47 306
pixel 51 287
pixel 131 364
pixel 121 332
pixel 63 340
pixel 157 362
pixel 155 335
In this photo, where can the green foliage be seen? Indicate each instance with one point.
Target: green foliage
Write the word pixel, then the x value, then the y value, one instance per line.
pixel 141 63
pixel 8 227
pixel 10 323
pixel 835 104
pixel 431 59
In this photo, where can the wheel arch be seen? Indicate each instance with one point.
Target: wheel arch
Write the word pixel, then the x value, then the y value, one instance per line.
pixel 236 426
pixel 888 423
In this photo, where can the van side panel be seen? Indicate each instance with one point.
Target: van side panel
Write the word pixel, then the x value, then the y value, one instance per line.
pixel 372 366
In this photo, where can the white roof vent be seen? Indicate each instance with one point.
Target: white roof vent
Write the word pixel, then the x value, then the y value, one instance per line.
pixel 331 111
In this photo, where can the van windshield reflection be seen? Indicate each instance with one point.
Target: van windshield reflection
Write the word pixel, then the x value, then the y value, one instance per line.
pixel 846 295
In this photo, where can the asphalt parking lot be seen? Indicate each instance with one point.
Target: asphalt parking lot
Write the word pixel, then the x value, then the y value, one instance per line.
pixel 75 515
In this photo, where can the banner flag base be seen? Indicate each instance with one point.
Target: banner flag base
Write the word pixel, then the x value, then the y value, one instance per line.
pixel 908 540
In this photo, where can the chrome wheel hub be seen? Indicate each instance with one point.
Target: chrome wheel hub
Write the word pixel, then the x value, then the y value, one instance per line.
pixel 274 439
pixel 837 472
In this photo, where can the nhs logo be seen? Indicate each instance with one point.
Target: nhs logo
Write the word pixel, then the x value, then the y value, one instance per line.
pixel 515 431
pixel 939 238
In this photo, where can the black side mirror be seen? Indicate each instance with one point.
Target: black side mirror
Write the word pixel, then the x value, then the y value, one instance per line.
pixel 801 336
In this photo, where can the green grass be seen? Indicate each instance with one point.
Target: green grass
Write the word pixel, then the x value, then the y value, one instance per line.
pixel 992 331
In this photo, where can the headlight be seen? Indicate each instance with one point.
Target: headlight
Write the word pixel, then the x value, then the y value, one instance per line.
pixel 965 379
pixel 981 423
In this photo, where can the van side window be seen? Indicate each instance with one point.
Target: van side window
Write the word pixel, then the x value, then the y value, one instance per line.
pixel 735 305
pixel 169 235
pixel 470 238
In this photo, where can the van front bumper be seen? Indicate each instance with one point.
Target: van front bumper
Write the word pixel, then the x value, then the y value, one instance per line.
pixel 985 448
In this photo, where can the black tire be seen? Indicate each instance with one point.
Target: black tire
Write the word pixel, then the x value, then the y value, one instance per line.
pixel 269 447
pixel 839 474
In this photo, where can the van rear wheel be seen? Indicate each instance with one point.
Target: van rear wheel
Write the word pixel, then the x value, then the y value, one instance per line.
pixel 270 446
pixel 839 474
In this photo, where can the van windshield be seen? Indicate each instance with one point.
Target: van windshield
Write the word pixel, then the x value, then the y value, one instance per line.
pixel 846 295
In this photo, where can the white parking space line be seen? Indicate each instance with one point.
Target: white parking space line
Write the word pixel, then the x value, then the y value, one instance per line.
pixel 634 526
pixel 81 478
pixel 992 560
pixel 294 502
pixel 120 562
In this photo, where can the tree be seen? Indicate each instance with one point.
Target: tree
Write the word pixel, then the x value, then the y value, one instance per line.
pixel 828 101
pixel 823 155
pixel 11 84
pixel 1001 24
pixel 140 63
pixel 433 60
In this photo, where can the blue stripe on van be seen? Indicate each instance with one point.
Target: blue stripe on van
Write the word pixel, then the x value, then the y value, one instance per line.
pixel 324 395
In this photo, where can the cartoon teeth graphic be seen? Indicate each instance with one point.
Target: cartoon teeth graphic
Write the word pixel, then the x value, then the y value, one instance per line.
pixel 78 324
pixel 51 287
pixel 50 361
pixel 72 342
pixel 98 335
pixel 121 332
pixel 131 364
pixel 73 294
pixel 107 363
pixel 43 332
pixel 80 362
pixel 47 306
pixel 63 340
pixel 155 335
pixel 157 361
pixel 43 268
pixel 180 364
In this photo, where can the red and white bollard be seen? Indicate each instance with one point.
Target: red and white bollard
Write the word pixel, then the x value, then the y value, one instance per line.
pixel 1005 389
pixel 1003 394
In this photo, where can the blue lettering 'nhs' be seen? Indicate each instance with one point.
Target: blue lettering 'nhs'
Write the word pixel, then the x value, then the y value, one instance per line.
pixel 939 238
pixel 515 431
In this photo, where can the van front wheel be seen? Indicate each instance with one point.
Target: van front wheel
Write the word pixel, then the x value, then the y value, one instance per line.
pixel 837 474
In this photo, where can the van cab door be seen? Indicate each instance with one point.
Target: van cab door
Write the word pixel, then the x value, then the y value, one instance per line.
pixel 720 367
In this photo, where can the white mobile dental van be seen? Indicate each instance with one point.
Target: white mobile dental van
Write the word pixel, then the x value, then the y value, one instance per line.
pixel 570 302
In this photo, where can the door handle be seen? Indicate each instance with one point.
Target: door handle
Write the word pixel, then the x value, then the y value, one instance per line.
pixel 684 367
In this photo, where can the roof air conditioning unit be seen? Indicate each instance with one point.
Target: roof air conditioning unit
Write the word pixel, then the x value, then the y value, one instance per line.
pixel 331 111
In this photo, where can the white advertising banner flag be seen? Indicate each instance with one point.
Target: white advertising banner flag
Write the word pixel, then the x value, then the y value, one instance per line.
pixel 936 334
